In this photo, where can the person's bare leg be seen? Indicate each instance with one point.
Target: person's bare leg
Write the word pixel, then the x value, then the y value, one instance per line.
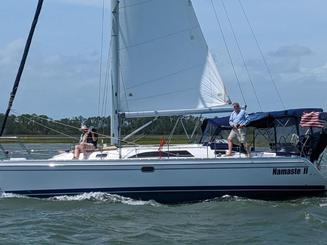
pixel 230 146
pixel 247 149
pixel 78 150
pixel 82 148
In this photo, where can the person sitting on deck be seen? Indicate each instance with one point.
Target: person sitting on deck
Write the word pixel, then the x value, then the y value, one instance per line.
pixel 238 121
pixel 88 141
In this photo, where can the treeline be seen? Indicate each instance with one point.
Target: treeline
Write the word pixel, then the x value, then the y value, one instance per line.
pixel 33 124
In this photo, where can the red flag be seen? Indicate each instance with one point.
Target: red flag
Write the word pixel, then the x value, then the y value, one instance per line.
pixel 162 143
pixel 311 119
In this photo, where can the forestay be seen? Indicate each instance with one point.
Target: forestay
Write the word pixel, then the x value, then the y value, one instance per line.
pixel 165 65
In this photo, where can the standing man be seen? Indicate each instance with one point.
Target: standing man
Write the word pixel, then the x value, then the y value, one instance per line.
pixel 238 121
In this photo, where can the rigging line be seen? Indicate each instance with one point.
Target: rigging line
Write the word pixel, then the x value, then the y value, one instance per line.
pixel 103 109
pixel 262 55
pixel 108 83
pixel 228 51
pixel 241 53
pixel 107 71
pixel 44 126
pixel 104 104
pixel 105 95
pixel 138 138
pixel 105 92
pixel 70 126
pixel 197 123
pixel 52 121
pixel 22 64
pixel 106 99
pixel 173 131
pixel 101 51
pixel 125 89
pixel 107 79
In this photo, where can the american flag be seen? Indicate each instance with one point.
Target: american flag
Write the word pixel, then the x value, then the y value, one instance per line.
pixel 311 119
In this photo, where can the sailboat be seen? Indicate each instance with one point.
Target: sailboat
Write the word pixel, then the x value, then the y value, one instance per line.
pixel 162 66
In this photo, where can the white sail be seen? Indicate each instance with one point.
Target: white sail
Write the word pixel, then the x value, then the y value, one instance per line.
pixel 166 67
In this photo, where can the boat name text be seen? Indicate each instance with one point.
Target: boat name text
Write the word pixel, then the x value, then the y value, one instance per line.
pixel 290 171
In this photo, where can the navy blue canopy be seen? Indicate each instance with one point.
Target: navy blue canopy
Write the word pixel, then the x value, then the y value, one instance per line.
pixel 262 119
pixel 323 116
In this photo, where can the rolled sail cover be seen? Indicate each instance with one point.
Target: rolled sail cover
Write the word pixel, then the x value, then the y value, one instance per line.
pixel 165 63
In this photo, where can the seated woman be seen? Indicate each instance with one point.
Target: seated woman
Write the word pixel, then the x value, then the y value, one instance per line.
pixel 88 141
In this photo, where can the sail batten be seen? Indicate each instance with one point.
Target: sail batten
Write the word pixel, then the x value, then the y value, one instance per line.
pixel 164 60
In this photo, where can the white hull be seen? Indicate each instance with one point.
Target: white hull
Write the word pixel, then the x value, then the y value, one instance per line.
pixel 165 180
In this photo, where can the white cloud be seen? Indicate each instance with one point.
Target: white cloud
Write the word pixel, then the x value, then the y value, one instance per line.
pixel 299 73
pixel 320 71
pixel 293 51
pixel 57 85
pixel 286 61
pixel 10 54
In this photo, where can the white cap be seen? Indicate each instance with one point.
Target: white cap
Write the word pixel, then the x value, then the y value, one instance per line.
pixel 84 127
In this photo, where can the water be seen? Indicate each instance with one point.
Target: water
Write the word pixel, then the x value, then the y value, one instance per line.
pixel 99 218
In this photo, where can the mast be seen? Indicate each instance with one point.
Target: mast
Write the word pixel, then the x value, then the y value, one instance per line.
pixel 115 127
pixel 22 64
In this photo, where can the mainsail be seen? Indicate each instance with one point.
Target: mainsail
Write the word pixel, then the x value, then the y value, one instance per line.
pixel 165 65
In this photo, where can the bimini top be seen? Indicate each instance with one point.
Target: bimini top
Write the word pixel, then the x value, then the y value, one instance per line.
pixel 265 119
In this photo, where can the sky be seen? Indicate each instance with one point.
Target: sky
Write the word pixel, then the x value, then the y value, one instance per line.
pixel 61 77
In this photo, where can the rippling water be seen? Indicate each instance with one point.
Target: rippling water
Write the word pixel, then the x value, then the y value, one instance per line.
pixel 99 218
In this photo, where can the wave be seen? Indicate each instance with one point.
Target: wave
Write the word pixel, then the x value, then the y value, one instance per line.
pixel 11 195
pixel 103 197
pixel 114 198
pixel 91 196
pixel 229 198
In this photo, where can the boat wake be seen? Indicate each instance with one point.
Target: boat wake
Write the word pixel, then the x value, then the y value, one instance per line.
pixel 92 196
pixel 103 197
pixel 4 195
pixel 228 198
